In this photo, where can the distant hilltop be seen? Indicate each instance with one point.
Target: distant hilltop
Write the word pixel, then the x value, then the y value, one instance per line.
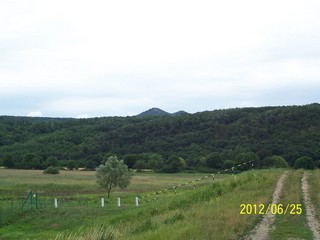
pixel 160 112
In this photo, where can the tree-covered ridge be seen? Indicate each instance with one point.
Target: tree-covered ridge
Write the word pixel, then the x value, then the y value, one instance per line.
pixel 290 132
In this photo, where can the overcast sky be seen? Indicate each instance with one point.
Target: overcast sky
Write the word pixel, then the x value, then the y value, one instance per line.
pixel 74 58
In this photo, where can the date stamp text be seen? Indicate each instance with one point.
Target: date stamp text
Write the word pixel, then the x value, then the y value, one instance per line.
pixel 275 209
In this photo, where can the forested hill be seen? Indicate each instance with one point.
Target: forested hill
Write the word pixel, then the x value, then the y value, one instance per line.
pixel 289 132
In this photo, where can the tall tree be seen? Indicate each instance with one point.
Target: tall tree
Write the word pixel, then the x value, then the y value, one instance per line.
pixel 112 174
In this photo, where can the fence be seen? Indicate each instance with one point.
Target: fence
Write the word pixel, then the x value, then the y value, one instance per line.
pixel 14 207
pixel 11 208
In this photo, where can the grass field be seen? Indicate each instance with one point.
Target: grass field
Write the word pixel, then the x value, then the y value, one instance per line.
pixel 211 211
pixel 17 181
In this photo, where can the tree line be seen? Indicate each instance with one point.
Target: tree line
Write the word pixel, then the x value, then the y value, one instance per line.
pixel 203 141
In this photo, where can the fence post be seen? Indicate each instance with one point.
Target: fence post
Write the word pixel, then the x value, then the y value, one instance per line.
pixel 119 202
pixel 31 203
pixel 56 203
pixel 137 201
pixel 102 202
pixel 36 195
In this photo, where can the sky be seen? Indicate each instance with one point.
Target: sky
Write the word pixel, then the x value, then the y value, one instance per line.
pixel 75 58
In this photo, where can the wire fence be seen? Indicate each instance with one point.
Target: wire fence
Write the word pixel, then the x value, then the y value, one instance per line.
pixel 146 198
pixel 11 208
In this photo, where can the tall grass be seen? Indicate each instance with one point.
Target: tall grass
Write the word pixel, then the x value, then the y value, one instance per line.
pixel 314 181
pixel 99 232
pixel 210 212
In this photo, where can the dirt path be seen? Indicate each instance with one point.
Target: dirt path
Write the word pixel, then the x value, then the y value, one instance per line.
pixel 310 211
pixel 262 230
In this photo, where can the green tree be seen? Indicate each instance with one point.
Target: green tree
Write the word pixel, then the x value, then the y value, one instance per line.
pixel 172 165
pixel 90 165
pixel 153 160
pixel 51 162
pixel 131 159
pixel 228 164
pixel 8 161
pixel 139 165
pixel 112 174
pixel 246 157
pixel 275 162
pixel 71 164
pixel 213 160
pixel 32 161
pixel 305 162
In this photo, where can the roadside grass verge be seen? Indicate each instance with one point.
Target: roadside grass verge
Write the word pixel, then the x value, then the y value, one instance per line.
pixel 314 186
pixel 291 225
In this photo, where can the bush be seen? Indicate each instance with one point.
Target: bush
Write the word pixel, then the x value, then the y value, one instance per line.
pixel 305 162
pixel 51 170
pixel 275 162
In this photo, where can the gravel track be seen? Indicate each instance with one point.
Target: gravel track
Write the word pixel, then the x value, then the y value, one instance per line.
pixel 310 211
pixel 262 230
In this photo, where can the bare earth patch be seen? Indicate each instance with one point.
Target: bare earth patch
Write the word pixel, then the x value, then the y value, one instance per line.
pixel 310 211
pixel 262 230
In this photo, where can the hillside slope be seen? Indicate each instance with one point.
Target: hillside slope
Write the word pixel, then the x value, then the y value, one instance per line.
pixel 291 132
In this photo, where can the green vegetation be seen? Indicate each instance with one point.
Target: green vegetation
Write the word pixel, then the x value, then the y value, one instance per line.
pixel 314 191
pixel 209 211
pixel 305 162
pixel 114 173
pixel 51 170
pixel 275 162
pixel 290 132
pixel 292 226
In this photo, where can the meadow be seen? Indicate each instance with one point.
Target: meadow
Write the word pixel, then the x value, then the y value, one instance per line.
pixel 210 211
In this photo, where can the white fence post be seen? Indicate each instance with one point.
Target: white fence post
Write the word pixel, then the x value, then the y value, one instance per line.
pixel 102 202
pixel 137 201
pixel 119 203
pixel 56 203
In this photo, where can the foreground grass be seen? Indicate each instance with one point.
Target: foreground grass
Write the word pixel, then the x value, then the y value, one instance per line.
pixel 78 196
pixel 210 212
pixel 292 226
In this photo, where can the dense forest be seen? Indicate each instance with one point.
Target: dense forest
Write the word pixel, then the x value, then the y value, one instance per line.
pixel 200 141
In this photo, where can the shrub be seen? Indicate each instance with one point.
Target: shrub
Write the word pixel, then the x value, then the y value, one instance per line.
pixel 275 162
pixel 305 162
pixel 51 170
